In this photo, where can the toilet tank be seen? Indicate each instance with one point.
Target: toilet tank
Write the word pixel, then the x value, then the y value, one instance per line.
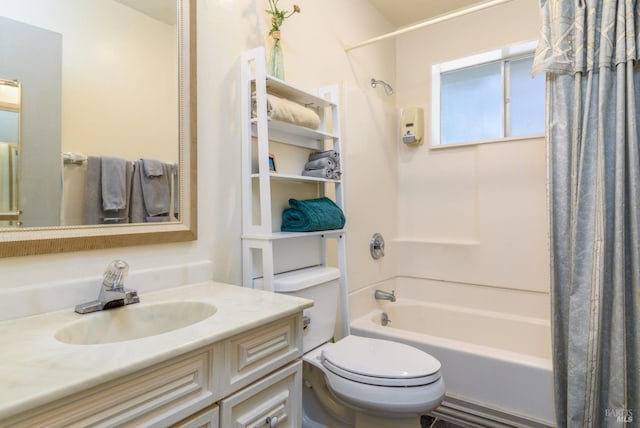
pixel 320 284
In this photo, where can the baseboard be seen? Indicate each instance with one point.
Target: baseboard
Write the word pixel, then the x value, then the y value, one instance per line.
pixel 468 414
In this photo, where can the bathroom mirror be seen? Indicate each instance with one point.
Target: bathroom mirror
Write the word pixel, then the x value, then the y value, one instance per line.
pixel 118 81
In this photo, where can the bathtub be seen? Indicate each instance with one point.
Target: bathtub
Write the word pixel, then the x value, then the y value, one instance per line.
pixel 496 366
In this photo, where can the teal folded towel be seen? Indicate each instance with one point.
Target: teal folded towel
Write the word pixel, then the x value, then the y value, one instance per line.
pixel 312 214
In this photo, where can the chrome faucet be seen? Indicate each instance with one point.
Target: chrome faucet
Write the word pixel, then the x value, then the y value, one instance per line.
pixel 112 292
pixel 385 295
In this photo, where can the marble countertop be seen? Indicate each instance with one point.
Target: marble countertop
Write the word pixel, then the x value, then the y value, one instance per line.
pixel 36 369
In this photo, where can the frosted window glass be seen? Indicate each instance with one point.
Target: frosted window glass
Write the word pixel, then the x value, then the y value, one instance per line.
pixel 527 99
pixel 471 104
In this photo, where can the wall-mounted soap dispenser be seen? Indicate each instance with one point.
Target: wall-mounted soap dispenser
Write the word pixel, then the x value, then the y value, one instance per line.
pixel 412 126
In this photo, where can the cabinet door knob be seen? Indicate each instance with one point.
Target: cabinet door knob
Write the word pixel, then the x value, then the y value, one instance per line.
pixel 272 421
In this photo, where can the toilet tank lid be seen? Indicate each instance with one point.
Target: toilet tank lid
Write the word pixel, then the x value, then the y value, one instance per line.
pixel 299 279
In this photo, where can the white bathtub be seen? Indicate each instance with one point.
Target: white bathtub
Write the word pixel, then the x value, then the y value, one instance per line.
pixel 496 366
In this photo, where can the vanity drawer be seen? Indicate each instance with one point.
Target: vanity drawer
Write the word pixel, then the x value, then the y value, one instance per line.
pixel 252 355
pixel 209 418
pixel 278 395
pixel 158 396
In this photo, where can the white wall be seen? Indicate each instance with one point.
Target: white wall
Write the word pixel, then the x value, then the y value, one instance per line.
pixel 314 57
pixel 474 214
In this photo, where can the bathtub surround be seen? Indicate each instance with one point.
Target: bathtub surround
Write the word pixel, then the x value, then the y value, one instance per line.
pixel 471 230
pixel 594 159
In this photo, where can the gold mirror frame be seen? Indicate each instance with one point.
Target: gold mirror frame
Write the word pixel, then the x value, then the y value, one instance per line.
pixel 32 241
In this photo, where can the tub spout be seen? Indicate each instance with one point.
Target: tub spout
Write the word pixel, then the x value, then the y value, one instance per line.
pixel 385 295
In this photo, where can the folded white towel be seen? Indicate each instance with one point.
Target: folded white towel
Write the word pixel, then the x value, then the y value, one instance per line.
pixel 288 111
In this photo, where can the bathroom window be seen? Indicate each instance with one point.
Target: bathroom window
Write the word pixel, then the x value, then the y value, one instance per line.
pixel 487 97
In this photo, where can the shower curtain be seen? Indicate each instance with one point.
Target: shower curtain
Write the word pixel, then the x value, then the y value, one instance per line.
pixel 590 51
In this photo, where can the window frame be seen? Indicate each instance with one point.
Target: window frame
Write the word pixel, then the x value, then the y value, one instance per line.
pixel 503 55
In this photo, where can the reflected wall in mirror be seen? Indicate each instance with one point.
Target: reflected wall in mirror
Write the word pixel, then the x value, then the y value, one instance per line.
pixel 107 129
pixel 9 152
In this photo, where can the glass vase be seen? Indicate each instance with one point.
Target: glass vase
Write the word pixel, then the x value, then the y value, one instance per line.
pixel 276 60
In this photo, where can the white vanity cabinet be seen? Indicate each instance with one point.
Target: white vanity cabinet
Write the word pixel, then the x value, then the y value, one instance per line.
pixel 239 381
pixel 208 418
pixel 273 401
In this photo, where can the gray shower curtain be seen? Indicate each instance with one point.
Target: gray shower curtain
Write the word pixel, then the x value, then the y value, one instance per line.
pixel 589 49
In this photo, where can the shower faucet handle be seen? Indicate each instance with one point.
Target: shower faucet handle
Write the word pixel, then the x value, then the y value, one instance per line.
pixel 376 246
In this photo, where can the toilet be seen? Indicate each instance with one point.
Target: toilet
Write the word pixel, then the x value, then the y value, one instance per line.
pixel 356 381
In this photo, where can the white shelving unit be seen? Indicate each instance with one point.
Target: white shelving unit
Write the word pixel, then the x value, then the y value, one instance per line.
pixel 267 252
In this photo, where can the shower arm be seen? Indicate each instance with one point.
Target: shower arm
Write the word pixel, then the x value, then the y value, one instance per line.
pixel 387 88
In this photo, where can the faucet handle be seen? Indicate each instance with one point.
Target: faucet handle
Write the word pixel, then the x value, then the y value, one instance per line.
pixel 115 274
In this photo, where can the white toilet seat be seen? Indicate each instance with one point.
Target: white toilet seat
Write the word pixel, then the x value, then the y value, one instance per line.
pixel 380 362
pixel 380 376
pixel 380 381
pixel 386 400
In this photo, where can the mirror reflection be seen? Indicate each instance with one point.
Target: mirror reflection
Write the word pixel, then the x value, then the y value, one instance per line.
pixel 9 152
pixel 98 123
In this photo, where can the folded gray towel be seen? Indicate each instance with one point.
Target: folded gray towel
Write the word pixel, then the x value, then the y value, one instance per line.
pixel 152 167
pixel 319 173
pixel 114 183
pixel 335 174
pixel 325 154
pixel 329 173
pixel 320 163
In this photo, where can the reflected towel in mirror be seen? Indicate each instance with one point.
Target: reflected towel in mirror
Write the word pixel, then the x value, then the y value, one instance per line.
pixel 94 212
pixel 113 183
pixel 151 195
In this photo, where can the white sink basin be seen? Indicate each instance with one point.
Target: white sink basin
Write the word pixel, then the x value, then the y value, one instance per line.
pixel 133 322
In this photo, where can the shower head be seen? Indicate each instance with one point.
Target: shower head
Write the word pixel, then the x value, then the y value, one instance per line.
pixel 387 88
